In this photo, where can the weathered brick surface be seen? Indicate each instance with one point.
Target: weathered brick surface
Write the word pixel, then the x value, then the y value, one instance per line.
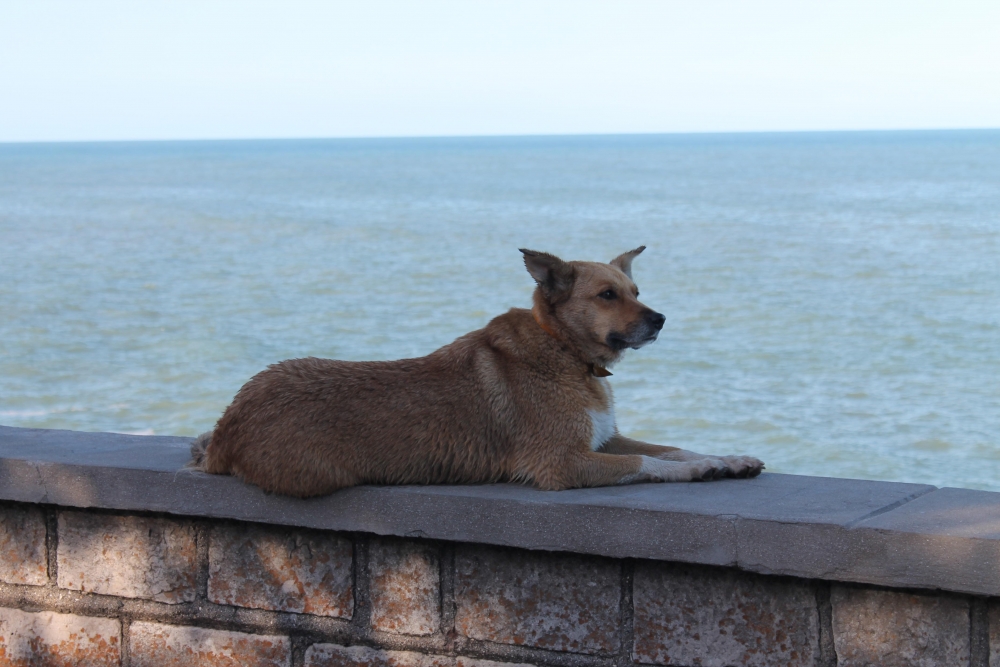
pixel 714 617
pixel 22 545
pixel 156 645
pixel 47 639
pixel 561 602
pixel 890 629
pixel 994 632
pixel 281 569
pixel 332 655
pixel 130 556
pixel 405 587
pixel 462 661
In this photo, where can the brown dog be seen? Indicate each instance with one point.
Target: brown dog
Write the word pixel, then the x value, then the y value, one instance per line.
pixel 524 399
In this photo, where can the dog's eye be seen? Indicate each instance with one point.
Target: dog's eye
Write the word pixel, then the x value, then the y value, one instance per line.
pixel 608 294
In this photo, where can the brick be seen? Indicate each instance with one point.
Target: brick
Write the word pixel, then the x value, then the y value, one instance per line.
pixel 22 546
pixel 58 640
pixel 715 617
pixel 561 602
pixel 281 569
pixel 462 661
pixel 128 556
pixel 893 629
pixel 994 630
pixel 332 655
pixel 156 645
pixel 405 587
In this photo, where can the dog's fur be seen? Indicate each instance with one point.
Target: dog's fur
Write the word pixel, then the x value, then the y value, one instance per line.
pixel 524 399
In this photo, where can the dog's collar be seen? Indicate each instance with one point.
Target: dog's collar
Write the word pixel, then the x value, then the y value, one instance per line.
pixel 599 371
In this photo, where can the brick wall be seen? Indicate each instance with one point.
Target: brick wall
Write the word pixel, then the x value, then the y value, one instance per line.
pixel 104 588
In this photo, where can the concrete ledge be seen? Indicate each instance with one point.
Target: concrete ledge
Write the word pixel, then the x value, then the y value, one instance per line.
pixel 889 534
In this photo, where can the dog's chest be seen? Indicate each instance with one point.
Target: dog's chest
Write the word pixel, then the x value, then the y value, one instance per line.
pixel 602 422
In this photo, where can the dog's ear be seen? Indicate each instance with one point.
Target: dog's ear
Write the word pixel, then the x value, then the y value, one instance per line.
pixel 553 275
pixel 624 261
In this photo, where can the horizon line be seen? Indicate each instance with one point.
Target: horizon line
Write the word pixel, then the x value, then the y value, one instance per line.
pixel 537 135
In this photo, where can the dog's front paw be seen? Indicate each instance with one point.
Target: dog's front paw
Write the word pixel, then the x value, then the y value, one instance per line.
pixel 743 466
pixel 708 469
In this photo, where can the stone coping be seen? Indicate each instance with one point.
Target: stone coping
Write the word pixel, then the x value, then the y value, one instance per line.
pixel 883 533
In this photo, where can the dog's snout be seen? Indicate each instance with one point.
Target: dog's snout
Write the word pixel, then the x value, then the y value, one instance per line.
pixel 655 320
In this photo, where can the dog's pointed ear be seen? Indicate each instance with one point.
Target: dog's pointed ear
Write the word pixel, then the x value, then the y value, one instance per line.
pixel 553 275
pixel 624 261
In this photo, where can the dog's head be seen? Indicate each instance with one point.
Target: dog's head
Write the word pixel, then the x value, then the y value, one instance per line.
pixel 595 306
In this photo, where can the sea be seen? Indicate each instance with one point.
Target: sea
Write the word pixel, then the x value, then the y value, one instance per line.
pixel 832 299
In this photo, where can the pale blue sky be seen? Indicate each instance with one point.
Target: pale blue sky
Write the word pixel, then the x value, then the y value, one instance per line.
pixel 102 70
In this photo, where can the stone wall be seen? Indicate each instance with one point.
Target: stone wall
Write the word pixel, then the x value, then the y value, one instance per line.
pixel 111 556
pixel 109 588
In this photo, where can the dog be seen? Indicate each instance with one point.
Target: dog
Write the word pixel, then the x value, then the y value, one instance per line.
pixel 525 399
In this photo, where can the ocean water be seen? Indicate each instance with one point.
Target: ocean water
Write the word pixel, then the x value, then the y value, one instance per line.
pixel 832 299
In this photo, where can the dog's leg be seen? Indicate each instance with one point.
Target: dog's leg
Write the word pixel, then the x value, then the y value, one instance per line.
pixel 586 469
pixel 732 466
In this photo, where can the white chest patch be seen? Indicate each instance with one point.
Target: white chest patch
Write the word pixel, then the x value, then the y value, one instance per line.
pixel 602 426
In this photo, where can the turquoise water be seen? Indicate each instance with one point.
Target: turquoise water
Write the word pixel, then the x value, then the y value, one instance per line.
pixel 832 299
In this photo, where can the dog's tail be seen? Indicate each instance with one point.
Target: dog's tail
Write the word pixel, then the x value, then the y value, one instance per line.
pixel 199 449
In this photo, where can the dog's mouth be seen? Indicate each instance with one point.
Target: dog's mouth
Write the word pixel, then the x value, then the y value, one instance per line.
pixel 618 342
pixel 643 342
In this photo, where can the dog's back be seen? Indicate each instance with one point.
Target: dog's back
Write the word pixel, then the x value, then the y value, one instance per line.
pixel 311 426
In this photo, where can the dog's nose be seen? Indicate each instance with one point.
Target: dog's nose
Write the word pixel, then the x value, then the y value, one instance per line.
pixel 655 320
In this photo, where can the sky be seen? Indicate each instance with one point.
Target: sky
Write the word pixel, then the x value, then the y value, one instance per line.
pixel 213 69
